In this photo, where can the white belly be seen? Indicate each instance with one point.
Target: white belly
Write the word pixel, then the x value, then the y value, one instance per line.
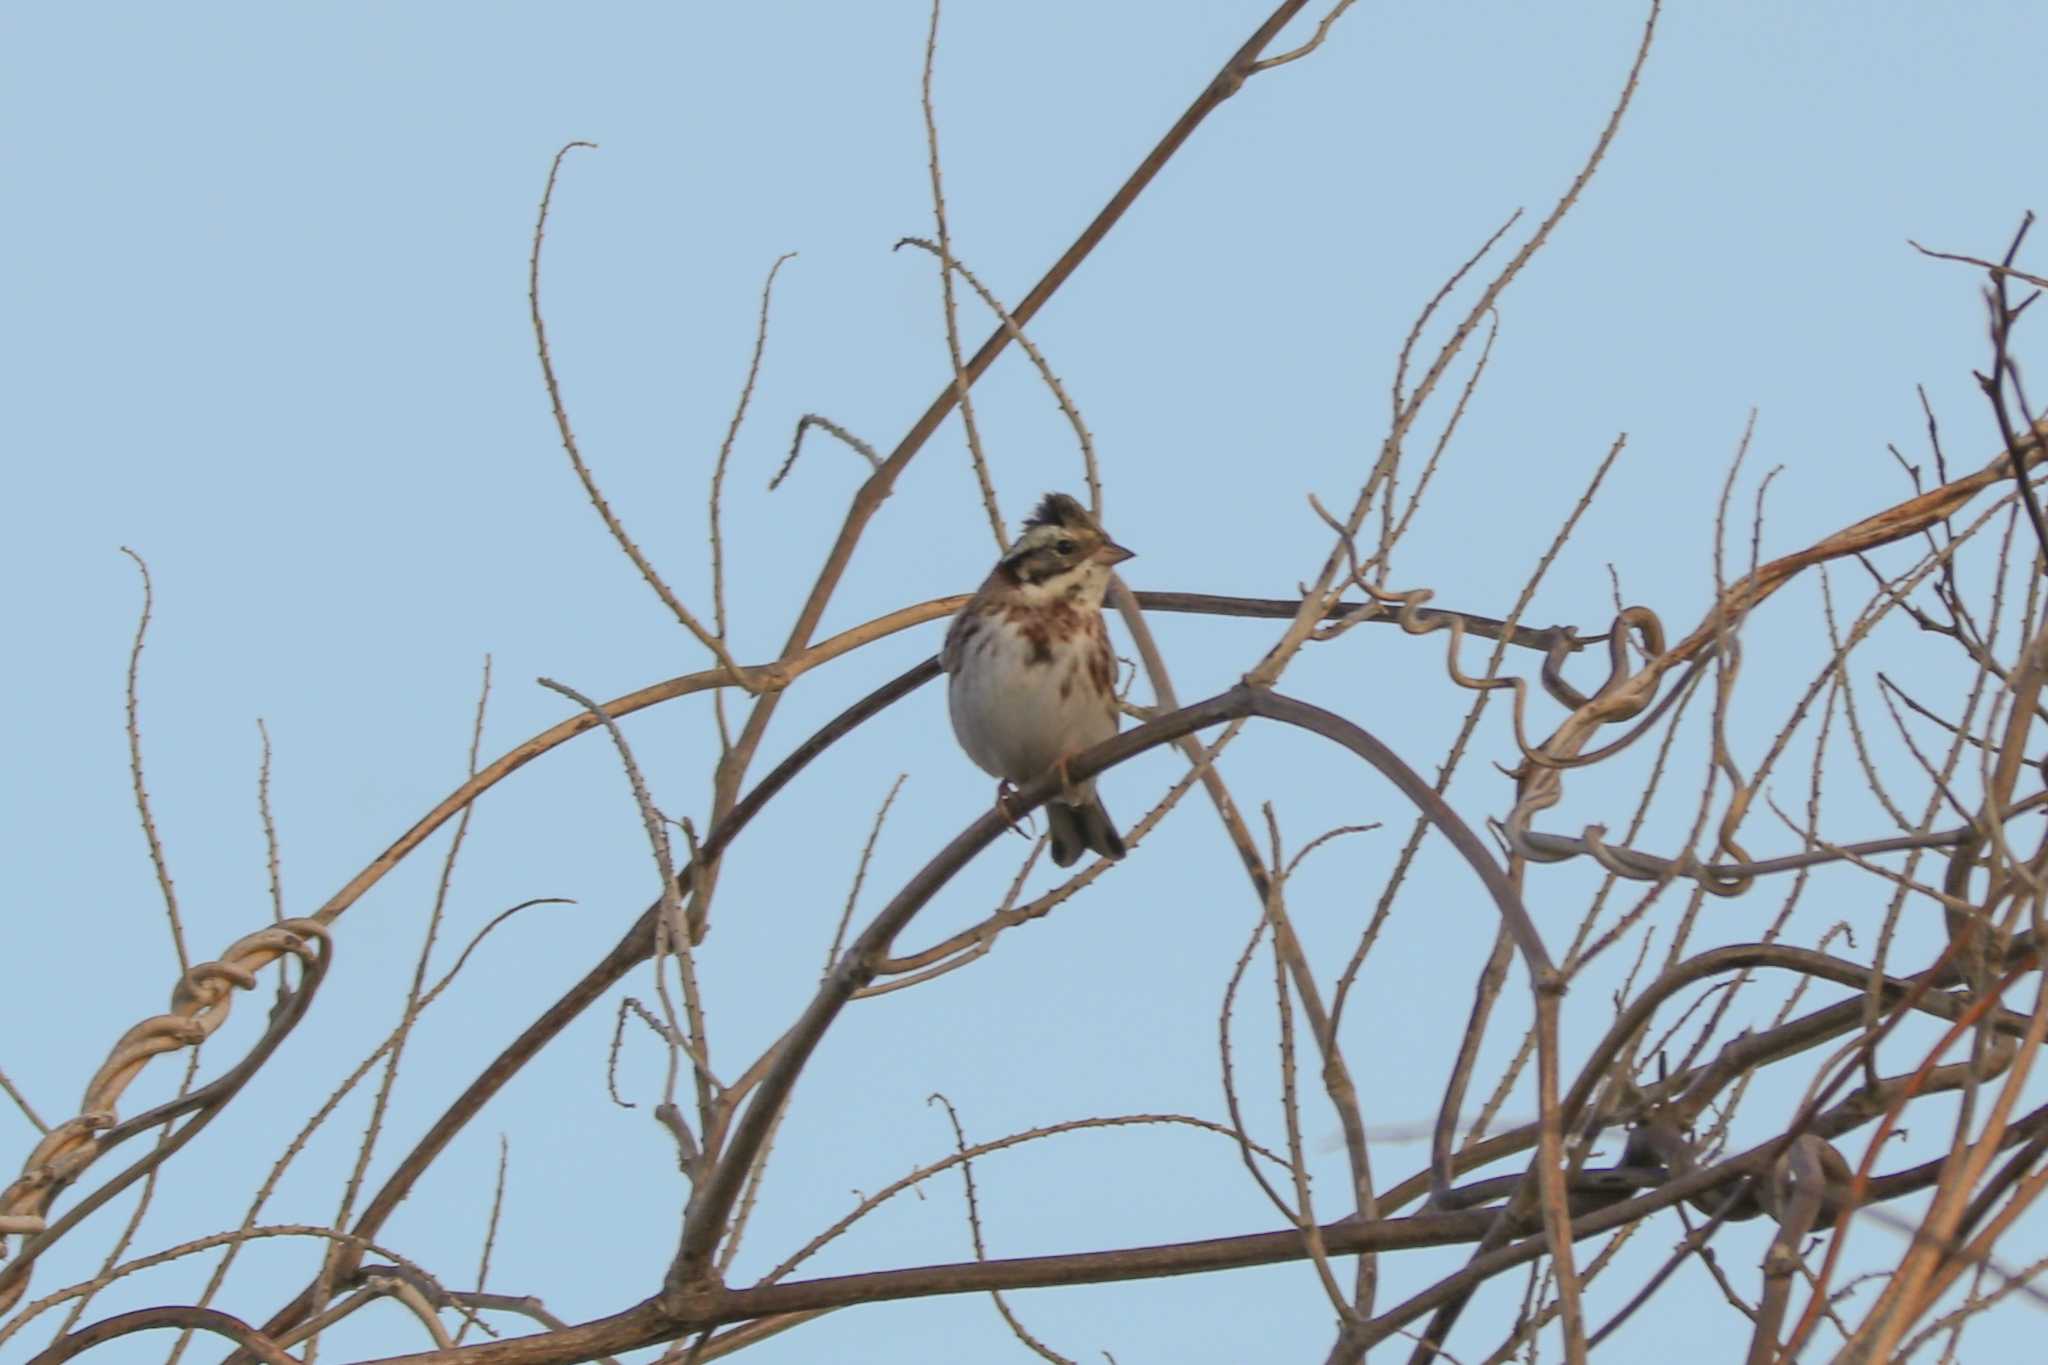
pixel 1016 718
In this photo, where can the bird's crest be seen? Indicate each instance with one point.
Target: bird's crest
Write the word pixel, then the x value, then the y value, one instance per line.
pixel 1059 509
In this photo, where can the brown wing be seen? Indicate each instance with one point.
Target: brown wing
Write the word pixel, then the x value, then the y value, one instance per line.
pixel 970 622
pixel 1102 668
pixel 958 636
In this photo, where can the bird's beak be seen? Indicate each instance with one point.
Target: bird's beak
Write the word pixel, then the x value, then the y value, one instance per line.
pixel 1113 553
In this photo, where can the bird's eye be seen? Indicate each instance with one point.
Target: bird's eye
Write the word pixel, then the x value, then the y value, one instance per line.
pixel 1065 547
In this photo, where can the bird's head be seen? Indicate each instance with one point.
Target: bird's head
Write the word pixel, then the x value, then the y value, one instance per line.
pixel 1063 553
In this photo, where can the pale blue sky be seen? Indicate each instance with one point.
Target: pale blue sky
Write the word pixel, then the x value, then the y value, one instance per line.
pixel 264 304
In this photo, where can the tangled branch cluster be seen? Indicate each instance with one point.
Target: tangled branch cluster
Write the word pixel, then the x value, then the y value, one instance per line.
pixel 1984 991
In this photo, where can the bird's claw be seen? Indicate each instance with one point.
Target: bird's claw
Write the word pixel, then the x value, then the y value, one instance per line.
pixel 1004 791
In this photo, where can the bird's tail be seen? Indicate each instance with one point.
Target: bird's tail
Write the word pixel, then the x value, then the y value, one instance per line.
pixel 1076 829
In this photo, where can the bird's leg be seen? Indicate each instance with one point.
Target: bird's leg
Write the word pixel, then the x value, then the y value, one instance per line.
pixel 1004 791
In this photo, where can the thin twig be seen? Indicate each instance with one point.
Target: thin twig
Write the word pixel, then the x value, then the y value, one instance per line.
pixel 269 830
pixel 1017 1328
pixel 1322 32
pixel 2002 271
pixel 409 1013
pixel 28 1110
pixel 860 871
pixel 738 676
pixel 952 314
pixel 156 848
pixel 483 1264
pixel 1089 469
pixel 826 424
pixel 732 432
pixel 691 1041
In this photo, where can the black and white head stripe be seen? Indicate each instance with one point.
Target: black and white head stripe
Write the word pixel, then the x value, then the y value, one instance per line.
pixel 1058 538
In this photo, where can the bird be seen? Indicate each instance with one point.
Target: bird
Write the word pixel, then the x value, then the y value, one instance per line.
pixel 1030 677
